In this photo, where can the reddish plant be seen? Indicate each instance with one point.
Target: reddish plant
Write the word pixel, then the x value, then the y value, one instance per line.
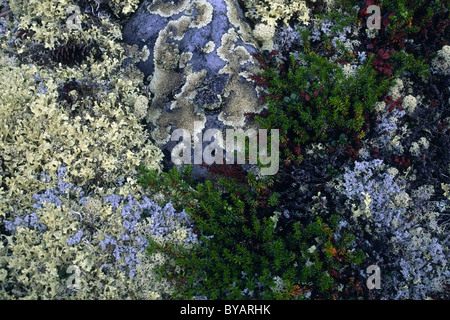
pixel 233 171
pixel 393 104
pixel 380 63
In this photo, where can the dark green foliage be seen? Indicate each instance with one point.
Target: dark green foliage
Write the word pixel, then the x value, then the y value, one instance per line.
pixel 242 250
pixel 309 102
pixel 344 17
pixel 407 62
pixel 410 16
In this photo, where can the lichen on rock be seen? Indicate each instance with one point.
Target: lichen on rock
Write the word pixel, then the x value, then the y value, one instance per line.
pixel 200 54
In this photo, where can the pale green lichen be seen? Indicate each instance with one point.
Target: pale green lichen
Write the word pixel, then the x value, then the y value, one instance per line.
pixel 417 148
pixel 47 20
pixel 264 33
pixel 98 135
pixel 140 107
pixel 39 133
pixel 446 188
pixel 273 11
pixel 442 62
pixel 396 89
pixel 409 103
pixel 173 75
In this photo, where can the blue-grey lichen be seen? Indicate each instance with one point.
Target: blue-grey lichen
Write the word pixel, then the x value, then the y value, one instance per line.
pixel 103 235
pixel 403 227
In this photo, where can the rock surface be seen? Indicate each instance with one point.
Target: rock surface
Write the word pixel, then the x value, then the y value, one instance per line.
pixel 199 63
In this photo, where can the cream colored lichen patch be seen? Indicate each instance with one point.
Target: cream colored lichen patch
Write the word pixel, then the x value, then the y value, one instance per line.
pixel 273 11
pixel 240 98
pixel 442 62
pixel 179 27
pixel 264 33
pixel 204 14
pixel 242 28
pixel 48 22
pixel 235 57
pixel 162 84
pixel 183 113
pixel 173 74
pixel 167 8
pixel 209 47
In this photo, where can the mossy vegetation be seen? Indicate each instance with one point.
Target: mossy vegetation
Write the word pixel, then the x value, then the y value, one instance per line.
pixel 249 252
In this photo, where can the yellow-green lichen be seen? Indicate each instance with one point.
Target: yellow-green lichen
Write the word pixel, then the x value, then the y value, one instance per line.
pixel 273 11
pixel 442 62
pixel 94 129
pixel 38 264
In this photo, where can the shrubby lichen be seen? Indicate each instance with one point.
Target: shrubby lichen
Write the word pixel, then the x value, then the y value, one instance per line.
pixel 72 137
pixel 271 12
pixel 81 121
pixel 414 247
pixel 103 235
pixel 94 129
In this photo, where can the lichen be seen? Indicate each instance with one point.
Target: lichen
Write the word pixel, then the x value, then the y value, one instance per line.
pixel 181 88
pixel 442 62
pixel 84 115
pixel 271 12
pixel 264 33
pixel 102 237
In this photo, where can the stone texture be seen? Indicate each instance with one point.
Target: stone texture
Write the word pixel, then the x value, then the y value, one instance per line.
pixel 200 59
